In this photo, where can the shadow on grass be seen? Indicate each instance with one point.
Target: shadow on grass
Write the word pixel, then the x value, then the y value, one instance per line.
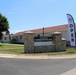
pixel 1 45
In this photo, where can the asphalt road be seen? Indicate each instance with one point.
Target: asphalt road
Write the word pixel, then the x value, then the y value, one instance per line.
pixel 14 66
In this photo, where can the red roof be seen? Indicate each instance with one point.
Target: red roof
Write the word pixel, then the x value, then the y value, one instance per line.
pixel 48 29
pixel 19 33
pixel 51 29
pixel 6 35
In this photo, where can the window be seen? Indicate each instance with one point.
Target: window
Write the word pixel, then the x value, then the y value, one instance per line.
pixel 20 37
pixel 16 37
pixel 5 38
pixel 10 38
pixel 72 39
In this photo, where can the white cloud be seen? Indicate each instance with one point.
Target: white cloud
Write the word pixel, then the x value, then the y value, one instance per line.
pixel 9 12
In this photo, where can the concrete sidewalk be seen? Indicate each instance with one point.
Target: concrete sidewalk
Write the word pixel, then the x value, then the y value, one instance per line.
pixel 47 57
pixel 71 72
pixel 8 55
pixel 37 56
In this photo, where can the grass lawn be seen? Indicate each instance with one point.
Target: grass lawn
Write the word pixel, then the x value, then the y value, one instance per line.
pixel 7 48
pixel 11 48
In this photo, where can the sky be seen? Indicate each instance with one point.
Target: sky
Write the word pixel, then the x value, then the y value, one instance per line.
pixel 33 14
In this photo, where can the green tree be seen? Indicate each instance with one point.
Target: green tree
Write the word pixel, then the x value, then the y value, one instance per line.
pixel 4 25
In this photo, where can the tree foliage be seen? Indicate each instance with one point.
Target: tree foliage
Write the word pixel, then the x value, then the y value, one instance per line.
pixel 4 25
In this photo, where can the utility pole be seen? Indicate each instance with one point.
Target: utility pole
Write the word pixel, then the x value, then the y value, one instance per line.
pixel 43 31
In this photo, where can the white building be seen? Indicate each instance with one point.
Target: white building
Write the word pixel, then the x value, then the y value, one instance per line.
pixel 47 31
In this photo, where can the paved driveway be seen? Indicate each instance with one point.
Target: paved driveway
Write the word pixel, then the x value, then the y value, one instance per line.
pixel 14 66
